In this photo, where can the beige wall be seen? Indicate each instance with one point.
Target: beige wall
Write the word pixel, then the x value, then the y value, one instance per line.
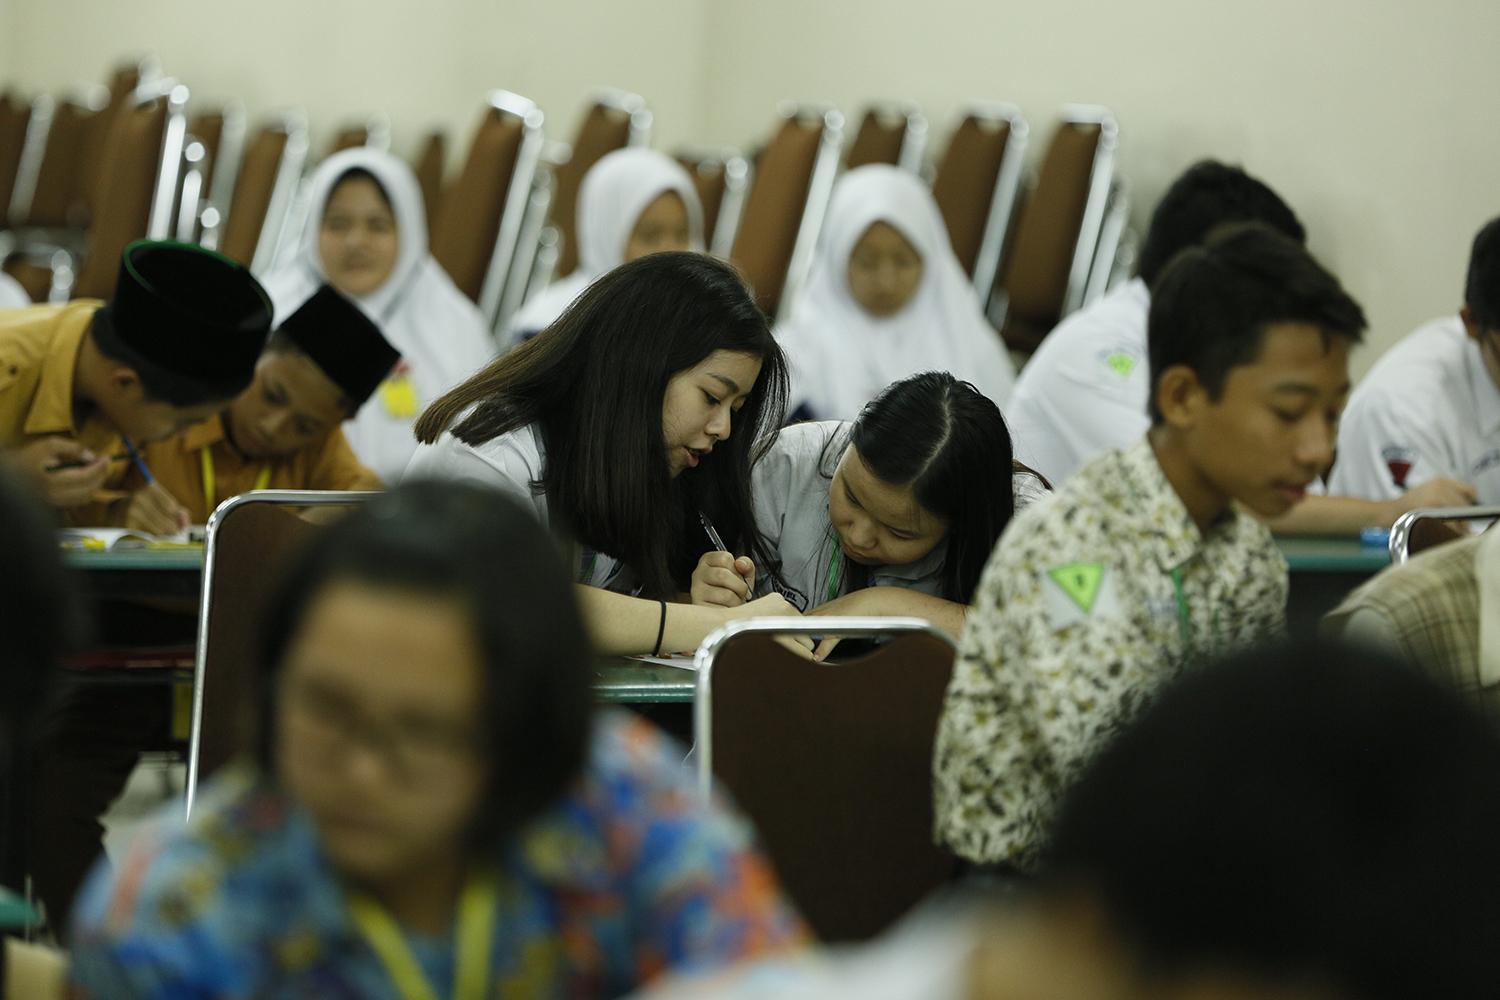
pixel 1375 119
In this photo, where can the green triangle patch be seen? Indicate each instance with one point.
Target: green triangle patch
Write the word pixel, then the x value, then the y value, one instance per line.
pixel 1121 363
pixel 1079 581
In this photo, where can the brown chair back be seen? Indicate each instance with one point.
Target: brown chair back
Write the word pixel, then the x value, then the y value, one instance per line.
pixel 890 133
pixel 60 159
pixel 93 150
pixel 968 180
pixel 429 171
pixel 127 185
pixel 719 176
pixel 1050 234
pixel 608 125
pixel 246 218
pixel 709 181
pixel 348 138
pixel 777 203
pixel 15 115
pixel 833 764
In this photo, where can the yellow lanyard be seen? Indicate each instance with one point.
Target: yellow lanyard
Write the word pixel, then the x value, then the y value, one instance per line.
pixel 262 480
pixel 475 931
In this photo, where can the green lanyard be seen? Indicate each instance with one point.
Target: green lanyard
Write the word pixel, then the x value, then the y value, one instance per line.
pixel 1185 621
pixel 835 567
pixel 474 933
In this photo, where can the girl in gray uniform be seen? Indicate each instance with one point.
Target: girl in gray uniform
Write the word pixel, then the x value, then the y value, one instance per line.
pixel 892 514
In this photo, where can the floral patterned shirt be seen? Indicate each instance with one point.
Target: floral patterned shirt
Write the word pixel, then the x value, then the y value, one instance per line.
pixel 1092 600
pixel 627 876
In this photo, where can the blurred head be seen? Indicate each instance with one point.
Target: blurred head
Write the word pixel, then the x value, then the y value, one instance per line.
pixel 426 678
pixel 928 462
pixel 632 202
pixel 1207 195
pixel 1299 816
pixel 1249 339
pixel 358 240
pixel 290 404
pixel 1481 311
pixel 662 226
pixel 885 270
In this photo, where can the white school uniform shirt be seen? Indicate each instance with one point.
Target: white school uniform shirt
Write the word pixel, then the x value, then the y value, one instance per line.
pixel 841 356
pixel 12 295
pixel 440 333
pixel 614 193
pixel 1427 409
pixel 1085 390
pixel 789 487
pixel 512 463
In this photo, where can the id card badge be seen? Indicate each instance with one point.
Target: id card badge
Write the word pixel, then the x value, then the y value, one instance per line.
pixel 399 396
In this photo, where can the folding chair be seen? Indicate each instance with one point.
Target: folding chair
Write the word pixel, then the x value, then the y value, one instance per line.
pixel 215 142
pixel 787 200
pixel 254 225
pixel 44 175
pixel 249 537
pixel 831 761
pixel 976 185
pixel 720 177
pixel 616 119
pixel 1057 233
pixel 477 235
pixel 1426 527
pixel 374 131
pixel 894 133
pixel 15 116
pixel 429 171
pixel 122 91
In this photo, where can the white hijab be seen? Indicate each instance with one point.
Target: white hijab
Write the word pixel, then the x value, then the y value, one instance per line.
pixel 614 193
pixel 438 330
pixel 841 355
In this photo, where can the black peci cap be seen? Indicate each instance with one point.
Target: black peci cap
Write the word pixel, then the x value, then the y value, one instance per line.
pixel 191 312
pixel 342 341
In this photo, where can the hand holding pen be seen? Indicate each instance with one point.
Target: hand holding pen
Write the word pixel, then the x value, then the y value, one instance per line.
pixel 721 579
pixel 152 509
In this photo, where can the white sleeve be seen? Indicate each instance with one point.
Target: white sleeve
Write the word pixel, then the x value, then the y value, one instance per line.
pixel 498 464
pixel 1386 448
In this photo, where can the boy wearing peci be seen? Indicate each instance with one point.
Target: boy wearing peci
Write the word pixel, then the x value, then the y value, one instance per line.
pixel 175 344
pixel 283 432
pixel 1142 562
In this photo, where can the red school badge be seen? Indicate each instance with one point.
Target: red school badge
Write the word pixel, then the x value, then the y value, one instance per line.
pixel 1399 460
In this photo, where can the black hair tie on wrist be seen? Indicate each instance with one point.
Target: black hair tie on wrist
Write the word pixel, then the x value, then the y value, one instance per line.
pixel 661 628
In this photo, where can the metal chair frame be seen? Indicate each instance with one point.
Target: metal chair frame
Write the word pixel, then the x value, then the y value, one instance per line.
pixel 849 626
pixel 914 140
pixel 1007 184
pixel 498 294
pixel 200 210
pixel 1401 531
pixel 1111 237
pixel 1100 182
pixel 285 498
pixel 281 230
pixel 819 190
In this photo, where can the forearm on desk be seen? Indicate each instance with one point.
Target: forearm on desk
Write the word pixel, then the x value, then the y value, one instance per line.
pixel 621 625
pixel 1325 515
pixel 889 601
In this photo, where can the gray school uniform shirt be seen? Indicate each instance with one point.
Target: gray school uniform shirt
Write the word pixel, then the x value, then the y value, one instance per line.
pixel 790 491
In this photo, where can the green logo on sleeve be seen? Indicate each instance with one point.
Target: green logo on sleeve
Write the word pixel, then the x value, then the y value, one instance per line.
pixel 1079 581
pixel 1121 362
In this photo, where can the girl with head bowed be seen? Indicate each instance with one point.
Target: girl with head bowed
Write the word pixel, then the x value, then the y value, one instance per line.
pixel 886 298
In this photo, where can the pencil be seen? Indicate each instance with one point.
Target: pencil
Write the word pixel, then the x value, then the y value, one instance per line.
pixel 140 463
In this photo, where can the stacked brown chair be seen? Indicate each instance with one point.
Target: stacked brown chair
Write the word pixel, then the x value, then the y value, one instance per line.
pixel 720 177
pixel 373 131
pixel 976 184
pixel 15 116
pixel 137 183
pixel 215 142
pixel 476 237
pixel 1047 272
pixel 832 762
pixel 614 120
pixel 54 144
pixel 254 225
pixel 429 171
pixel 786 202
pixel 894 133
pixel 128 78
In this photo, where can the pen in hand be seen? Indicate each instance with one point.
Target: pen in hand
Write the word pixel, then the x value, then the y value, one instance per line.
pixel 140 463
pixel 713 536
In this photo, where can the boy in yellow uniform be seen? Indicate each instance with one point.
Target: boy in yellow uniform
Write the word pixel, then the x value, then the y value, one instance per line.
pixel 283 432
pixel 177 342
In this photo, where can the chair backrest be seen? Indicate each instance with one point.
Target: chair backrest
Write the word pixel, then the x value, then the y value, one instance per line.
pixel 267 180
pixel 97 132
pixel 831 761
pixel 615 120
pixel 476 234
pixel 975 187
pixel 720 177
pixel 786 202
pixel 373 131
pixel 209 177
pixel 1425 527
pixel 1058 229
pixel 429 171
pixel 137 183
pixel 44 178
pixel 249 538
pixel 15 116
pixel 894 133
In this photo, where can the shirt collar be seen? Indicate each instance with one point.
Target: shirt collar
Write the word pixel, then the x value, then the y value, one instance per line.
pixel 52 407
pixel 205 434
pixel 1486 393
pixel 1160 512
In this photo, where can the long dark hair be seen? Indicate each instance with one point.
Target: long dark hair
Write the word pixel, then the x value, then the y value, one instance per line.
pixel 948 443
pixel 593 383
pixel 490 555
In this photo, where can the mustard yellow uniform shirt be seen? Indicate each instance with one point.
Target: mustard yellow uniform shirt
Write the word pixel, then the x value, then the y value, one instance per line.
pixel 327 463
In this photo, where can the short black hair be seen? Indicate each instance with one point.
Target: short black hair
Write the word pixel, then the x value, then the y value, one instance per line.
pixel 1207 195
pixel 1482 289
pixel 1303 809
pixel 482 548
pixel 1211 306
pixel 159 384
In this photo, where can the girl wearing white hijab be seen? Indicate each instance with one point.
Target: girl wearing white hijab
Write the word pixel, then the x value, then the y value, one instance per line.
pixel 632 202
pixel 886 298
pixel 366 236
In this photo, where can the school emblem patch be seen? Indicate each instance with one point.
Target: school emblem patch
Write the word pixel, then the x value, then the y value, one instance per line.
pixel 1120 362
pixel 1399 461
pixel 1080 590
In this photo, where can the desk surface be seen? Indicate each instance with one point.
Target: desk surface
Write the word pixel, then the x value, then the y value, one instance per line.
pixel 619 679
pixel 1338 555
pixel 164 559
